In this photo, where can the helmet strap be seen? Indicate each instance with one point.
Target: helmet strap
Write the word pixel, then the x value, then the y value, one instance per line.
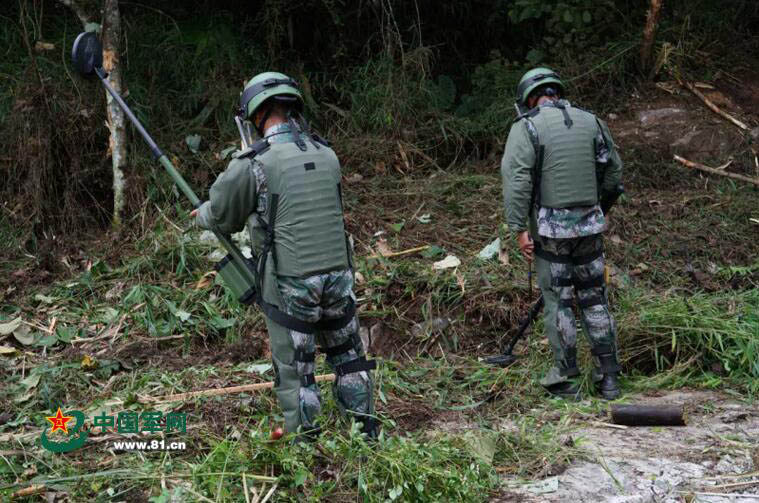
pixel 260 126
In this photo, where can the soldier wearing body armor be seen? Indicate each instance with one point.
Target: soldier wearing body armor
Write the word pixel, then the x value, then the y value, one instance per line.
pixel 286 188
pixel 559 162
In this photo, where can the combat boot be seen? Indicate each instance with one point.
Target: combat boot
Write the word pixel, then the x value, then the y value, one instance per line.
pixel 568 389
pixel 609 369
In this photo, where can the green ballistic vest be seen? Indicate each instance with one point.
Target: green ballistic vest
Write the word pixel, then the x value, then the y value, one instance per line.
pixel 568 174
pixel 304 195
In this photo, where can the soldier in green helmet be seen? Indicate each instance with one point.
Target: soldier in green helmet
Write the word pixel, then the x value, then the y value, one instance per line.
pixel 286 188
pixel 559 162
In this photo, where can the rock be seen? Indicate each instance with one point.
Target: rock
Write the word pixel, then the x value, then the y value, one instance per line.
pixel 430 326
pixel 754 133
pixel 363 332
pixel 652 117
pixel 375 333
pixel 613 117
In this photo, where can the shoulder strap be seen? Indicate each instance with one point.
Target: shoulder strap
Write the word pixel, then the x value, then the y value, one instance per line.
pixel 529 114
pixel 258 147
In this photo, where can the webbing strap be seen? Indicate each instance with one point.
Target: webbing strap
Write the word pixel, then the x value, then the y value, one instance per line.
pixel 602 349
pixel 566 259
pixel 579 285
pixel 302 356
pixel 306 327
pixel 341 349
pixel 570 372
pixel 567 119
pixel 595 300
pixel 537 176
pixel 589 283
pixel 551 257
pixel 564 303
pixel 587 259
pixel 358 365
pixel 307 380
pixel 562 282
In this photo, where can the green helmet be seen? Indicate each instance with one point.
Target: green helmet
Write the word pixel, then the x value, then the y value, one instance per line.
pixel 268 85
pixel 534 78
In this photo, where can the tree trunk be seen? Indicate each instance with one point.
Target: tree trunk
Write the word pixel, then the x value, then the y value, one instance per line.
pixel 86 11
pixel 116 119
pixel 649 34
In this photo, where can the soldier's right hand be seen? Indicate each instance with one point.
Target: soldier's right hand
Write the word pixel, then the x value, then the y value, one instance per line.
pixel 526 246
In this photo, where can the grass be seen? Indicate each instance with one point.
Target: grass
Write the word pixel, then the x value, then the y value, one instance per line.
pixel 152 326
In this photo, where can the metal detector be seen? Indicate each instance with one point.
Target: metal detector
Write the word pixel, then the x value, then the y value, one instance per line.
pixel 236 270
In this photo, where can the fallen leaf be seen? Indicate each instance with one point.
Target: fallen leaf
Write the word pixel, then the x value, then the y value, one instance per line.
pixel 259 368
pixel 193 142
pixel 360 278
pixel 31 381
pixel 89 363
pixel 24 335
pixel 7 350
pixel 206 280
pixel 383 248
pixel 447 263
pixel 615 239
pixel 425 219
pixel 10 326
pixel 355 177
pixel 491 250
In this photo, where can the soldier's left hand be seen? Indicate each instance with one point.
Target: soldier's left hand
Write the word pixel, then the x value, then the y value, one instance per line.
pixel 194 213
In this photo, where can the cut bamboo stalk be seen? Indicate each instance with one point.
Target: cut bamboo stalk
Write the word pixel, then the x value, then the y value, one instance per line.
pixel 404 252
pixel 715 171
pixel 224 391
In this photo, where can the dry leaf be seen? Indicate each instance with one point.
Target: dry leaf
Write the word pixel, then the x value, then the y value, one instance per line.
pixel 7 350
pixel 383 248
pixel 206 280
pixel 89 363
pixel 447 263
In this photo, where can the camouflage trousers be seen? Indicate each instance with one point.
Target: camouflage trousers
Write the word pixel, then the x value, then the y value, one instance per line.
pixel 322 296
pixel 569 268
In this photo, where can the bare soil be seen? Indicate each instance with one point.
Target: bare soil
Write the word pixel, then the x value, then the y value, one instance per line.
pixel 662 464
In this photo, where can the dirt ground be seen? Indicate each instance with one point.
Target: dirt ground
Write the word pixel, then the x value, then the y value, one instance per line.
pixel 716 452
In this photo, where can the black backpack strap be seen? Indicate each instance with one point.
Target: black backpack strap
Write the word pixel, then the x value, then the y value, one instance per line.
pixel 567 119
pixel 252 151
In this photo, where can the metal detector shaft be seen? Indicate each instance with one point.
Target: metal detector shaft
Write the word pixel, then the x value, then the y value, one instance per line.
pixel 534 311
pixel 239 259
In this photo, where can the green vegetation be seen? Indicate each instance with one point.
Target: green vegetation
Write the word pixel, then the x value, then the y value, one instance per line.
pixel 417 99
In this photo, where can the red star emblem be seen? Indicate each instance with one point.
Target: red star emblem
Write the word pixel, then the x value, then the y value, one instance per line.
pixel 59 422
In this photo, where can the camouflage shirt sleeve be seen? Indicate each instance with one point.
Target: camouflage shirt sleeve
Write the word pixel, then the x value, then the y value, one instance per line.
pixel 516 172
pixel 231 200
pixel 608 158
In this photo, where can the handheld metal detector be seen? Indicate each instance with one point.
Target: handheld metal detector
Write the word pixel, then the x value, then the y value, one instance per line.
pixel 236 270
